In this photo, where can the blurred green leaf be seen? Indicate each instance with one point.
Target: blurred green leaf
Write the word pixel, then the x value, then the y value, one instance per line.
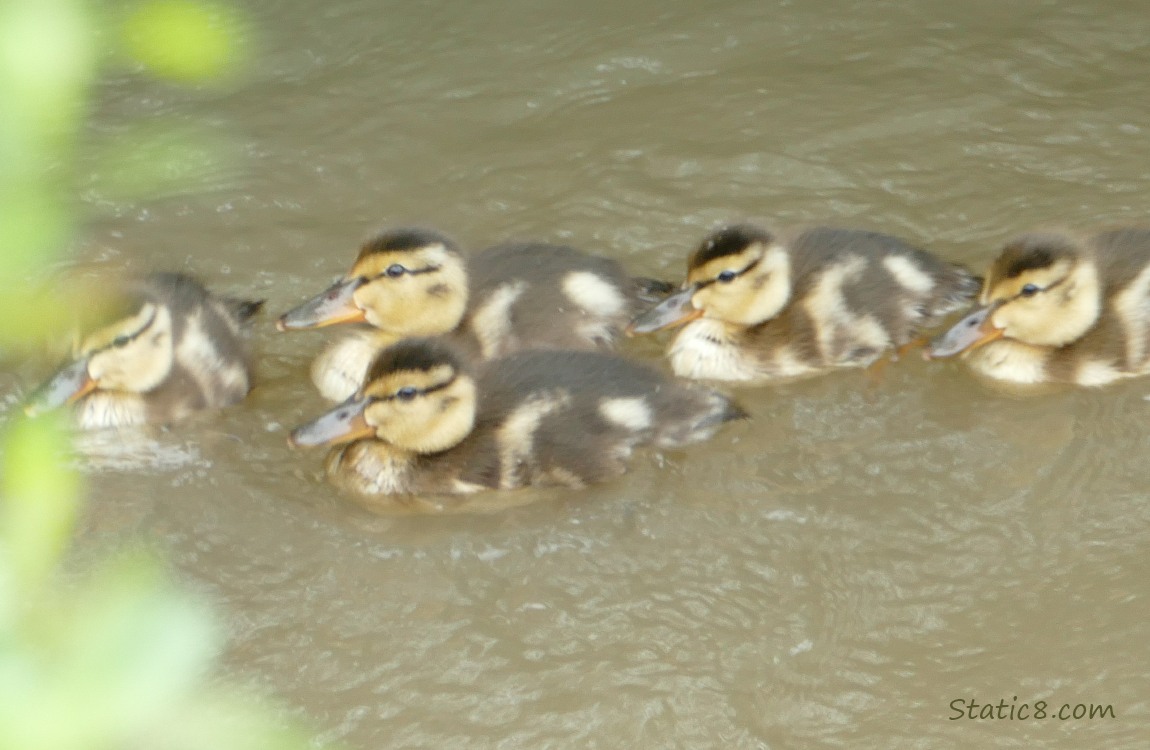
pixel 39 499
pixel 31 315
pixel 111 654
pixel 33 232
pixel 184 40
pixel 115 657
pixel 47 59
pixel 226 717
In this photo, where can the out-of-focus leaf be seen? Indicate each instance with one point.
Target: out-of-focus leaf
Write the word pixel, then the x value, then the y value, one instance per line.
pixel 31 315
pixel 184 40
pixel 38 498
pixel 47 59
pixel 145 644
pixel 112 658
pixel 33 231
pixel 116 657
pixel 225 717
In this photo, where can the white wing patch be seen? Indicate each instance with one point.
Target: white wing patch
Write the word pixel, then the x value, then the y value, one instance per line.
pixel 868 331
pixel 221 381
pixel 1133 306
pixel 787 364
pixel 198 356
pixel 629 413
pixel 492 321
pixel 834 321
pixel 907 274
pixel 1096 372
pixel 516 436
pixel 594 294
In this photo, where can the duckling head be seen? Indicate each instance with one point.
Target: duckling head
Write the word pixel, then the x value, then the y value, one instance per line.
pixel 407 282
pixel 1041 290
pixel 740 275
pixel 132 354
pixel 417 397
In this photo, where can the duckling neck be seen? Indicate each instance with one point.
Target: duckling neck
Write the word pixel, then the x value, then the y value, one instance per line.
pixel 340 369
pixel 372 467
pixel 109 409
pixel 708 349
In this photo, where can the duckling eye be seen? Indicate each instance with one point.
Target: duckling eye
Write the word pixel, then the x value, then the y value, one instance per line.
pixel 395 270
pixel 727 277
pixel 406 393
pixel 120 341
pixel 1029 290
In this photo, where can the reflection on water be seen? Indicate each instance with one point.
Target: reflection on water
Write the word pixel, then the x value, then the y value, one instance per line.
pixel 134 451
pixel 834 572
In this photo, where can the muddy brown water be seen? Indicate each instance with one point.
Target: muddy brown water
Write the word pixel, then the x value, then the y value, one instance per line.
pixel 836 572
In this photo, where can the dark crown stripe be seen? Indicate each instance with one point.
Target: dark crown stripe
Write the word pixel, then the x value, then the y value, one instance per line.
pixel 1033 252
pixel 404 240
pixel 418 355
pixel 728 241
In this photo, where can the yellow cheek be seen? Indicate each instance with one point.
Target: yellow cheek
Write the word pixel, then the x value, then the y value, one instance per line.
pixel 97 369
pixel 1017 314
pixel 712 300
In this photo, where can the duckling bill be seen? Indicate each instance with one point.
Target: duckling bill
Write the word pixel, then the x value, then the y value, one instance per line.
pixel 169 348
pixel 333 306
pixel 971 332
pixel 1060 308
pixel 425 422
pixel 759 304
pixel 513 297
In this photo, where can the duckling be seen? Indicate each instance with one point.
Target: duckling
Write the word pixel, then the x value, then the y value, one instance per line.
pixel 760 305
pixel 1059 308
pixel 513 297
pixel 170 348
pixel 427 422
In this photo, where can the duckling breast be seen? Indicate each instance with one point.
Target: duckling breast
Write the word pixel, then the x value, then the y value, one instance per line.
pixel 370 467
pixel 1011 361
pixel 708 349
pixel 110 409
pixel 339 370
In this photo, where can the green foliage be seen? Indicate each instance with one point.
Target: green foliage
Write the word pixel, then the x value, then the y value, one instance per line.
pixel 47 61
pixel 116 657
pixel 39 508
pixel 184 40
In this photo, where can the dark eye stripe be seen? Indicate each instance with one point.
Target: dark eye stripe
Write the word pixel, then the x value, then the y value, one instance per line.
pixel 1039 289
pixel 407 272
pixel 437 387
pixel 708 282
pixel 125 339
